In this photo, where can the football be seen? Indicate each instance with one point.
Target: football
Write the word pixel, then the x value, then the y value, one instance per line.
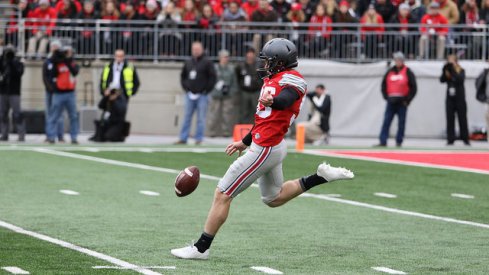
pixel 187 181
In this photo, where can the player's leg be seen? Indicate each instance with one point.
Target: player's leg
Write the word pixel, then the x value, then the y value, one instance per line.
pixel 240 175
pixel 275 194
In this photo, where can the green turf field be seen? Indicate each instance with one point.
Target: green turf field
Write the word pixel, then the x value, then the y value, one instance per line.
pixel 306 236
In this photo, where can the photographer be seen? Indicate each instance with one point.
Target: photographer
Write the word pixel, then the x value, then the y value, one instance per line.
pixel 114 128
pixel 454 76
pixel 64 96
pixel 119 82
pixel 11 71
pixel 222 111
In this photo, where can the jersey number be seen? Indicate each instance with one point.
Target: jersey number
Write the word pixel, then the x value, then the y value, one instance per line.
pixel 268 110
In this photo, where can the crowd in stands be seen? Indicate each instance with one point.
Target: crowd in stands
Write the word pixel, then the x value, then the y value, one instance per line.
pixel 207 14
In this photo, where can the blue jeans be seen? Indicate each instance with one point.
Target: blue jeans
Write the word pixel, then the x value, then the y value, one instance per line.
pixel 65 100
pixel 392 109
pixel 47 114
pixel 198 105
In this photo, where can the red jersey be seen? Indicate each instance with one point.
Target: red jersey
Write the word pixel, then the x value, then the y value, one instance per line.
pixel 271 125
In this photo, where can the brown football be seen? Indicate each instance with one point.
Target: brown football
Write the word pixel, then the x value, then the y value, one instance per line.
pixel 187 181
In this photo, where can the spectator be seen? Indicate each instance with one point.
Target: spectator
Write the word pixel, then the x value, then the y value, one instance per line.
pixel 262 15
pixel 469 16
pixel 372 30
pixel 296 16
pixel 169 40
pixel 49 80
pixel 250 7
pixel 249 87
pixel 404 40
pixel 12 31
pixel 120 75
pixel 385 9
pixel 484 12
pixel 222 110
pixel 317 128
pixel 147 35
pixel 189 12
pixel 109 13
pixel 281 7
pixel 128 38
pixel 454 76
pixel 208 22
pixel 449 10
pixel 64 97
pixel 86 37
pixel 343 35
pixel 68 9
pixel 482 94
pixel 234 39
pixel 331 7
pixel 319 32
pixel 118 83
pixel 434 26
pixel 308 8
pixel 398 89
pixel 11 71
pixel 42 29
pixel 198 78
pixel 417 10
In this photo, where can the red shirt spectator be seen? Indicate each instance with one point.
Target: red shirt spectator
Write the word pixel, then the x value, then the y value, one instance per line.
pixel 189 12
pixel 48 16
pixel 296 14
pixel 371 21
pixel 151 11
pixel 320 17
pixel 66 8
pixel 430 22
pixel 208 20
pixel 250 7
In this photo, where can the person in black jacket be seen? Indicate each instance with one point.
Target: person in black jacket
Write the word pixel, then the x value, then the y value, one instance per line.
pixel 398 89
pixel 11 71
pixel 454 76
pixel 404 41
pixel 197 78
pixel 317 128
pixel 249 87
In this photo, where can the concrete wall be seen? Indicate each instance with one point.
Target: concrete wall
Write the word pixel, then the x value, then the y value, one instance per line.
pixel 355 89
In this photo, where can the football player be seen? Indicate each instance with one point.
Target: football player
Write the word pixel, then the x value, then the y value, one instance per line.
pixel 280 101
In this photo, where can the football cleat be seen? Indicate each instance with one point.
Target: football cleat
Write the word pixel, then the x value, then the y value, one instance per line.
pixel 190 252
pixel 331 173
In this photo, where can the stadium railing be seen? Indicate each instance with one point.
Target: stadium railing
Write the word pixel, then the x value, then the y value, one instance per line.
pixel 155 41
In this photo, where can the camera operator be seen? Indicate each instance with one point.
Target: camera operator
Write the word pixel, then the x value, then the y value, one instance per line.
pixel 114 127
pixel 454 75
pixel 118 83
pixel 64 96
pixel 11 71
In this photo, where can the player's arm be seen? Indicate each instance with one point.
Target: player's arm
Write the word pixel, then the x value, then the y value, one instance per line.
pixel 284 100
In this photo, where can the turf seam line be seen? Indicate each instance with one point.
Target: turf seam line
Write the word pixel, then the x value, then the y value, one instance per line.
pixel 398 162
pixel 77 248
pixel 311 195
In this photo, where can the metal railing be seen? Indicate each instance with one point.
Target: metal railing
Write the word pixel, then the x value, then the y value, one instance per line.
pixel 160 41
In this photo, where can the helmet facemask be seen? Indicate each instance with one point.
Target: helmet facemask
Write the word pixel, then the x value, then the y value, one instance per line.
pixel 269 66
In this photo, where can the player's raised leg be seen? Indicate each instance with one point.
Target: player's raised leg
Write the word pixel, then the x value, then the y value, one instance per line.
pixel 293 188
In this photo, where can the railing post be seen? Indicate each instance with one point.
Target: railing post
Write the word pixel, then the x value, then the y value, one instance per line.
pixel 484 43
pixel 97 39
pixel 21 37
pixel 155 43
pixel 359 43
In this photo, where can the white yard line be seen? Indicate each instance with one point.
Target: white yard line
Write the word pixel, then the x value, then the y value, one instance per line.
pixel 388 270
pixel 310 195
pixel 149 193
pixel 462 196
pixel 121 267
pixel 266 270
pixel 114 149
pixel 69 192
pixel 390 161
pixel 385 195
pixel 80 249
pixel 15 270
